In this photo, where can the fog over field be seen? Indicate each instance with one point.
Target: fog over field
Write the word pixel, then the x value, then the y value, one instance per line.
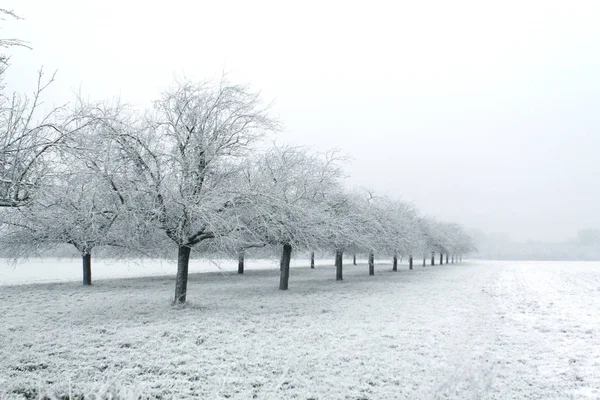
pixel 319 200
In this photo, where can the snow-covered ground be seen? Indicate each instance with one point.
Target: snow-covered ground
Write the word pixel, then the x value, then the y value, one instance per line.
pixel 69 269
pixel 480 329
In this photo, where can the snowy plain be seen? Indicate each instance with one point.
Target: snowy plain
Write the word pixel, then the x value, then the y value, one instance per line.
pixel 480 329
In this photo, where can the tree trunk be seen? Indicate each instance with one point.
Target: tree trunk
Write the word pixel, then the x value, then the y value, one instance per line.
pixel 432 258
pixel 241 262
pixel 354 259
pixel 452 258
pixel 312 260
pixel 371 264
pixel 284 276
pixel 339 257
pixel 424 259
pixel 183 263
pixel 395 264
pixel 87 268
pixel 410 262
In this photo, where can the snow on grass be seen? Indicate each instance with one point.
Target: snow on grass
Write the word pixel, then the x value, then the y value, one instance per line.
pixel 474 330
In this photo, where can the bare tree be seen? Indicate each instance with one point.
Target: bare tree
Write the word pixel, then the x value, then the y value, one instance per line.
pixel 28 137
pixel 387 226
pixel 82 202
pixel 29 132
pixel 458 241
pixel 346 225
pixel 187 157
pixel 402 233
pixel 289 188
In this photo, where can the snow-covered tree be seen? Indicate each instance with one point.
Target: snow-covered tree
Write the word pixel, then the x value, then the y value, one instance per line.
pixel 345 227
pixel 29 132
pixel 401 232
pixel 289 189
pixel 81 202
pixel 187 158
pixel 382 226
pixel 28 137
pixel 463 243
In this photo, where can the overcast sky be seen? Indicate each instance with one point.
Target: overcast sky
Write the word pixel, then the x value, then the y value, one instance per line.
pixel 484 113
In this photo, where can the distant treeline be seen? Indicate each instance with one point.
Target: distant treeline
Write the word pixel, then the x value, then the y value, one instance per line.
pixel 585 247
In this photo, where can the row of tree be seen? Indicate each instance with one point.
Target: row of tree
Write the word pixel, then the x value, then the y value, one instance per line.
pixel 192 172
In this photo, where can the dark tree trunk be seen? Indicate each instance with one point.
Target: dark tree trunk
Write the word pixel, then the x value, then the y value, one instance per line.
pixel 354 259
pixel 432 258
pixel 241 262
pixel 395 264
pixel 312 260
pixel 87 268
pixel 183 263
pixel 441 258
pixel 424 259
pixel 339 264
pixel 284 276
pixel 410 262
pixel 371 264
pixel 446 258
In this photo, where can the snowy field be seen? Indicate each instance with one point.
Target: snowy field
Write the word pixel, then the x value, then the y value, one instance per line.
pixel 480 329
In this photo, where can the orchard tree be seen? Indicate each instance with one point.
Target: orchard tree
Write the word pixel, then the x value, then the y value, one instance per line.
pixel 399 220
pixel 289 188
pixel 419 240
pixel 81 203
pixel 379 230
pixel 463 242
pixel 446 238
pixel 345 226
pixel 187 158
pixel 29 137
pixel 434 239
pixel 29 133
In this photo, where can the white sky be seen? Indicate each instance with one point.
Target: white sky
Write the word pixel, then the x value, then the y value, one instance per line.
pixel 484 113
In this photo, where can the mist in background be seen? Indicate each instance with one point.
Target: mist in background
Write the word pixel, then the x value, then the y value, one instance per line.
pixel 585 246
pixel 480 113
